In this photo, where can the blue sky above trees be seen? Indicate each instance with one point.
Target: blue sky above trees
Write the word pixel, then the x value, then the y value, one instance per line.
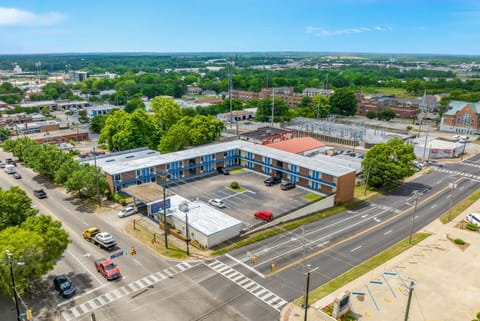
pixel 379 26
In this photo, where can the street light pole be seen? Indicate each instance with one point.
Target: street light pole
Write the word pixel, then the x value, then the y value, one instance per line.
pixel 452 187
pixel 165 229
pixel 187 234
pixel 306 296
pixel 10 263
pixel 416 195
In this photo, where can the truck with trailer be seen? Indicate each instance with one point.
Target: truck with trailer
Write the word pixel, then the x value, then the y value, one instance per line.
pixel 98 238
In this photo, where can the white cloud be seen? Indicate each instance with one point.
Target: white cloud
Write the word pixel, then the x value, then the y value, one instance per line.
pixel 17 17
pixel 322 32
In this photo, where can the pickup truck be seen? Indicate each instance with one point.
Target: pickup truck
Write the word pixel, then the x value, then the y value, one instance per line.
pixel 39 193
pixel 90 234
pixel 108 269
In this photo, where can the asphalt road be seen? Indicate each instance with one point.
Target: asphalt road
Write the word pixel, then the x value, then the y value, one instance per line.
pixel 231 287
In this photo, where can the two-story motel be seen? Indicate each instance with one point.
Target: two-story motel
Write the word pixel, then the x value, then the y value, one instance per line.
pixel 143 166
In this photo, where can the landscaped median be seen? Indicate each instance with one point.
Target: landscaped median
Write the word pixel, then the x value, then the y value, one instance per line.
pixel 370 264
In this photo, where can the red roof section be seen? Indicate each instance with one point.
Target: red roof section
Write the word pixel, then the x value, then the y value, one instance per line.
pixel 298 145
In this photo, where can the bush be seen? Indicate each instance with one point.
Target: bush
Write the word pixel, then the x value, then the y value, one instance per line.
pixel 459 241
pixel 472 227
pixel 119 199
pixel 409 128
pixel 234 185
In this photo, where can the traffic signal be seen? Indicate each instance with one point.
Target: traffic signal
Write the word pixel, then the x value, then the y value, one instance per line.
pixel 133 251
pixel 29 314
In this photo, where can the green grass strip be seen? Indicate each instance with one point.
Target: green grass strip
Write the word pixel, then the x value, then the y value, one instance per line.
pixel 365 267
pixel 460 207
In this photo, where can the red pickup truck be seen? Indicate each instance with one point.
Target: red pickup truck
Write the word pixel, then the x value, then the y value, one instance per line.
pixel 108 269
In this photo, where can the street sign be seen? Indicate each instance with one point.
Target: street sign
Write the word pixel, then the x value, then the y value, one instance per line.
pixel 115 255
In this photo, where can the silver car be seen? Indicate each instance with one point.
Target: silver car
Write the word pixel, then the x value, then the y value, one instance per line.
pixel 127 211
pixel 216 202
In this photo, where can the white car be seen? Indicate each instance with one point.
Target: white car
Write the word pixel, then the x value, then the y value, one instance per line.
pixel 216 202
pixel 104 237
pixel 474 218
pixel 127 211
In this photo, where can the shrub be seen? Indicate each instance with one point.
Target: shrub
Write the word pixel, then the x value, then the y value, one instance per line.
pixel 472 227
pixel 234 185
pixel 409 127
pixel 119 199
pixel 459 241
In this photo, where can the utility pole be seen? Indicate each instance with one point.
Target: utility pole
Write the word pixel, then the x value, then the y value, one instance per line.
pixel 10 263
pixel 416 195
pixel 96 175
pixel 273 105
pixel 410 291
pixel 366 181
pixel 230 85
pixel 305 301
pixel 165 228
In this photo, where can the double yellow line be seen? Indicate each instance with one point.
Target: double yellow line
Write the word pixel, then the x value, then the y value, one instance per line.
pixel 289 265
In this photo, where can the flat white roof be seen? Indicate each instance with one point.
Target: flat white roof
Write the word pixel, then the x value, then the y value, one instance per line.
pixel 202 217
pixel 322 163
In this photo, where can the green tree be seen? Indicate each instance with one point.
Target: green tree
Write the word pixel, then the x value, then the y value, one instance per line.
pixel 166 112
pixel 371 114
pixel 264 110
pixel 15 207
pixel 443 105
pixel 65 170
pixel 343 102
pixel 133 104
pixel 84 182
pixel 415 87
pixel 385 164
pixel 175 139
pixel 388 114
pixel 97 123
pixel 321 105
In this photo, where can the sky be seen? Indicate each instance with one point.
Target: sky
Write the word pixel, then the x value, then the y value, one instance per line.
pixel 361 26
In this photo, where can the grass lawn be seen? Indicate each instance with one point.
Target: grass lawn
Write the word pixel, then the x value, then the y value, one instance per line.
pixel 312 197
pixel 460 207
pixel 237 171
pixel 236 190
pixel 363 268
pixel 146 236
pixel 397 92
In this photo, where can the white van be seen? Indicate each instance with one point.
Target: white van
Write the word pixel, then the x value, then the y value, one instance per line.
pixel 10 168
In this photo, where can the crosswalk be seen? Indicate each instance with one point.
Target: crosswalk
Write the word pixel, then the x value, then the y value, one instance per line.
pixel 101 300
pixel 468 175
pixel 248 284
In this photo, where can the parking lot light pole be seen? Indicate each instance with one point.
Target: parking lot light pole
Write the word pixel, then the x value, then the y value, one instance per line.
pixel 187 234
pixel 165 229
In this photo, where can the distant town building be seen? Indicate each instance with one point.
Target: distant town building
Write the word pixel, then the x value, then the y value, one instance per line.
pixel 237 115
pixel 193 90
pixel 461 117
pixel 100 110
pixel 311 92
pixel 267 135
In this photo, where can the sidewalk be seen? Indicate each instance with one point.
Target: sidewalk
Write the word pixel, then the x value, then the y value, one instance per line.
pixel 446 281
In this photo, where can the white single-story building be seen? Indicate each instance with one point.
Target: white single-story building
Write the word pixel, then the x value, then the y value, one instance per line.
pixel 206 225
pixel 437 148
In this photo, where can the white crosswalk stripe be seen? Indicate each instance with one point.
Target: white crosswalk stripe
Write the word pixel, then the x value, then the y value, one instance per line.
pixel 116 294
pixel 248 284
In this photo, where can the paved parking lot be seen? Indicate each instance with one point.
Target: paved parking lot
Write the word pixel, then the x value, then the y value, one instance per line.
pixel 242 205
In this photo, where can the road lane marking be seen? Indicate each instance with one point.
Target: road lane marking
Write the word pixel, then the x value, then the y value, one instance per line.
pixel 83 265
pixel 116 294
pixel 244 265
pixel 357 248
pixel 353 236
pixel 257 290
pixel 387 232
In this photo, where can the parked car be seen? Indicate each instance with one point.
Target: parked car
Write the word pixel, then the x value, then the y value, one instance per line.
pixel 127 211
pixel 39 193
pixel 264 215
pixel 104 237
pixel 223 170
pixel 64 286
pixel 216 202
pixel 285 186
pixel 17 175
pixel 456 137
pixel 272 180
pixel 473 218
